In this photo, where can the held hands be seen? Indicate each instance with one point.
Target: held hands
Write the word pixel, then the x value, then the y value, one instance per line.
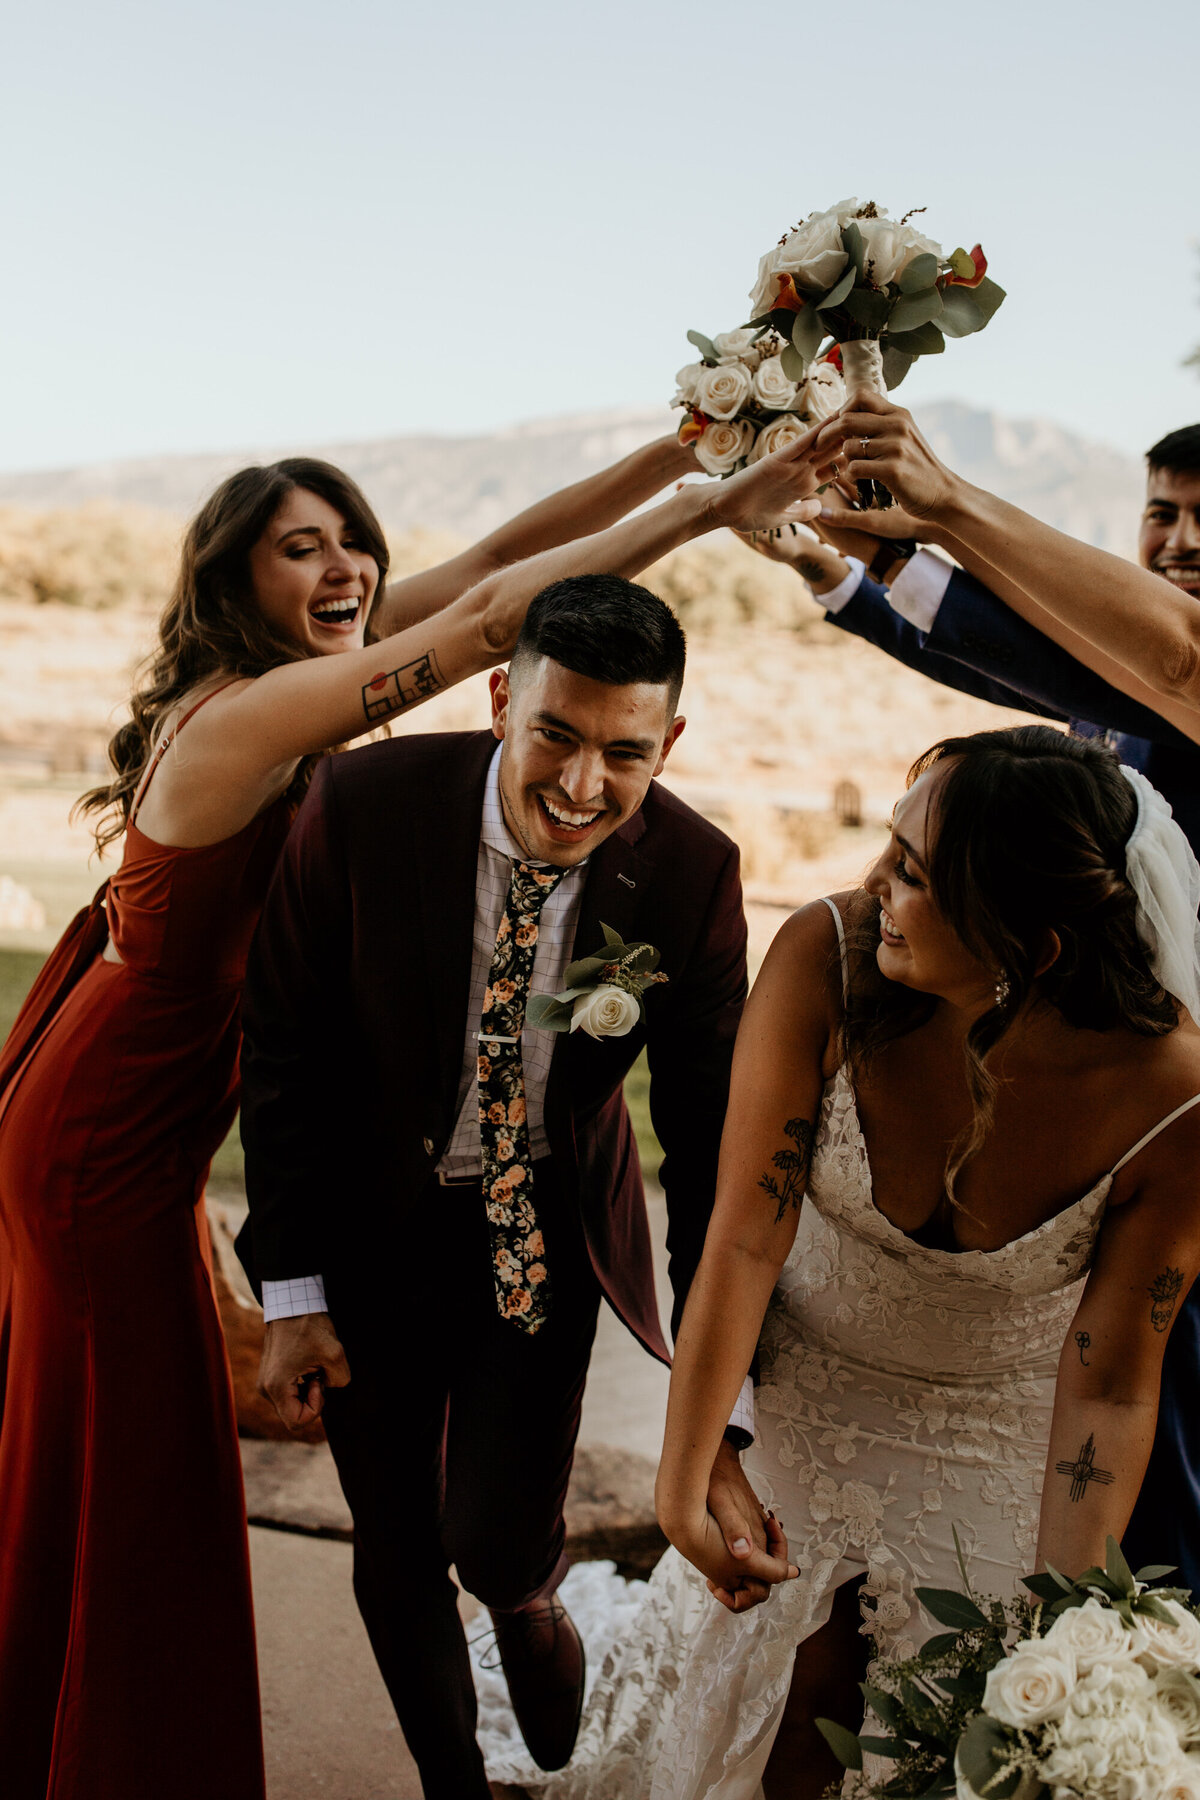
pixel 816 563
pixel 740 1550
pixel 301 1358
pixel 778 490
pixel 872 440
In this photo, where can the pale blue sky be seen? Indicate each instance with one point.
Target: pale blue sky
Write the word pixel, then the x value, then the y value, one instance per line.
pixel 273 221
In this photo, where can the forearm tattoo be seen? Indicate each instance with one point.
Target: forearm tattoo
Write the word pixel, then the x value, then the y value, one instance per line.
pixel 811 571
pixel 392 690
pixel 788 1188
pixel 1164 1292
pixel 1083 1470
pixel 1084 1340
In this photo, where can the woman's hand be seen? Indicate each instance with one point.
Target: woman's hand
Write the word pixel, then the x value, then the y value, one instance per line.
pixel 780 489
pixel 872 440
pixel 739 1548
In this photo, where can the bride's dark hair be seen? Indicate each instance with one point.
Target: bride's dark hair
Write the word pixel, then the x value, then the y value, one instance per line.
pixel 1027 836
pixel 212 623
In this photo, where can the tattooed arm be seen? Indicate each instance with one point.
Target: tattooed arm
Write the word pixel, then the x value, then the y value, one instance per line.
pixel 782 1059
pixel 1106 1400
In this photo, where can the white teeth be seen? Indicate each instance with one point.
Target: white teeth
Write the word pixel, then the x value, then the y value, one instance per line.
pixel 334 609
pixel 568 818
pixel 889 925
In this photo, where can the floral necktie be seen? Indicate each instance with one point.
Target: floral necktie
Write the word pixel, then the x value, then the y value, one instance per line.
pixel 518 1252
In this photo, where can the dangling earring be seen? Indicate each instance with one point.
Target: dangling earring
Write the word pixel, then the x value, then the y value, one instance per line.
pixel 1003 989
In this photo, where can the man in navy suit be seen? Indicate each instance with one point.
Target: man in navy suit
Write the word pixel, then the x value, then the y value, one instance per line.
pixel 948 625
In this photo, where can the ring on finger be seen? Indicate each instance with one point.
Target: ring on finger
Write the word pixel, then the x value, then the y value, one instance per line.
pixel 865 453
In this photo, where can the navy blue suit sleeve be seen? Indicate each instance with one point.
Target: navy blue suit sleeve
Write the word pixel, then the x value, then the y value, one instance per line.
pixel 976 628
pixel 869 616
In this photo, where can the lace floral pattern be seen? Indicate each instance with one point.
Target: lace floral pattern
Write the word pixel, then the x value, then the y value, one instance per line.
pixel 904 1390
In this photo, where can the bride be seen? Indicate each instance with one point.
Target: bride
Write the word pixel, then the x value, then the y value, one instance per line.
pixel 981 1074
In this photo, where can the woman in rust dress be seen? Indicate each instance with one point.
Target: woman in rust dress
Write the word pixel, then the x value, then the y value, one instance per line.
pixel 127 1662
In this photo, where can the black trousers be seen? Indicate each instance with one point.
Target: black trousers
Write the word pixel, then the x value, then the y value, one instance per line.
pixel 453 1443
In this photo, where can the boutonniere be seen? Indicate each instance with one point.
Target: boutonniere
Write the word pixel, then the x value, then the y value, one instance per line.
pixel 604 992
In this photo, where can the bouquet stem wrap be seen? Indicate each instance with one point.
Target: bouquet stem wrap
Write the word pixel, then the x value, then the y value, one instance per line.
pixel 862 367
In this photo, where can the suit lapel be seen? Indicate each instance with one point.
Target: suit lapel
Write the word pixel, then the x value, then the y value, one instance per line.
pixel 447 862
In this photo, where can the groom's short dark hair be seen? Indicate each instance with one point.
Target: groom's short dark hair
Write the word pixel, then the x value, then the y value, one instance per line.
pixel 606 628
pixel 1178 452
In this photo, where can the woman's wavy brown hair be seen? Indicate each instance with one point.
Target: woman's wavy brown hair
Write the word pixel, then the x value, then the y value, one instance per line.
pixel 212 624
pixel 1027 836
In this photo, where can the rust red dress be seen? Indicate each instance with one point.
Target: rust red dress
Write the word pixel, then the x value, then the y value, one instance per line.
pixel 127 1660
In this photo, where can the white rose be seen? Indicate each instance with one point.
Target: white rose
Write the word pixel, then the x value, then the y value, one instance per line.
pixel 890 247
pixel 783 430
pixel 1095 1634
pixel 1030 1686
pixel 823 393
pixel 1175 1646
pixel 1178 1695
pixel 721 446
pixel 813 255
pixel 686 382
pixel 723 391
pixel 772 386
pixel 736 346
pixel 1184 1781
pixel 606 1012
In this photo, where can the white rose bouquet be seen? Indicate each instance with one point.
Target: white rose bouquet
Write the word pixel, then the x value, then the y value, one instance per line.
pixel 875 285
pixel 1091 1691
pixel 604 992
pixel 740 402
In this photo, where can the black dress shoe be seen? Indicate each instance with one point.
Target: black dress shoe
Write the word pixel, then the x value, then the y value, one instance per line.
pixel 542 1657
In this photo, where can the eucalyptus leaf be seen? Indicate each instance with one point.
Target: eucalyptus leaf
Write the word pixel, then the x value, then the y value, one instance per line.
pixel 912 310
pixel 837 294
pixel 704 345
pixel 926 340
pixel 963 264
pixel 960 315
pixel 878 1746
pixel 761 324
pixel 1156 1571
pixel 613 940
pixel 1063 1581
pixel 1116 1568
pixel 921 273
pixel 963 1687
pixel 843 1743
pixel 792 363
pixel 885 1706
pixel 867 307
pixel 807 333
pixel 855 248
pixel 587 970
pixel 1154 1608
pixel 980 1751
pixel 949 1608
pixel 988 297
pixel 945 1643
pixel 896 364
pixel 546 1013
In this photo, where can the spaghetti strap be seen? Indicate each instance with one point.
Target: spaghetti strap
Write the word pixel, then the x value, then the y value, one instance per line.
pixel 1153 1133
pixel 165 744
pixel 841 931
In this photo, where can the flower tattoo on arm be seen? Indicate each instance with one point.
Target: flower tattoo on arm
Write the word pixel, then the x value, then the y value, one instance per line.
pixel 1164 1291
pixel 787 1189
pixel 392 690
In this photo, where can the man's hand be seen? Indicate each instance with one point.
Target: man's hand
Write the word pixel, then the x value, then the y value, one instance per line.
pixel 743 1556
pixel 818 564
pixel 301 1358
pixel 857 531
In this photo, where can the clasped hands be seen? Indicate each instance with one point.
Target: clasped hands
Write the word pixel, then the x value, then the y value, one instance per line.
pixel 740 1550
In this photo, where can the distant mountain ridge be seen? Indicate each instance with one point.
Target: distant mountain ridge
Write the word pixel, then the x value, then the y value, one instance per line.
pixel 468 485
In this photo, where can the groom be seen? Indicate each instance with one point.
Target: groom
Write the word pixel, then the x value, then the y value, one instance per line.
pixel 439 1198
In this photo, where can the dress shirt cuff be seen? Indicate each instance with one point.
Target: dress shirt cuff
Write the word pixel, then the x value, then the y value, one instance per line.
pixel 919 589
pixel 288 1299
pixel 846 588
pixel 742 1417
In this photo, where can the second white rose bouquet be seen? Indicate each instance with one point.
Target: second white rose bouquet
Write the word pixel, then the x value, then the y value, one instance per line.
pixel 603 995
pixel 1098 1697
pixel 741 403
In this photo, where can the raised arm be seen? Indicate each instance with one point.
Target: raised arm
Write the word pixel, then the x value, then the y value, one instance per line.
pixel 586 507
pixel 779 1068
pixel 1106 1401
pixel 1149 628
pixel 244 746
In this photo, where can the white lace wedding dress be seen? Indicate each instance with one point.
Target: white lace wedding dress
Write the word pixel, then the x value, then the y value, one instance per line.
pixel 903 1391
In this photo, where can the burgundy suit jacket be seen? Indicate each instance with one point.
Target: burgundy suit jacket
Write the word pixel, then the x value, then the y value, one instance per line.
pixel 356 1009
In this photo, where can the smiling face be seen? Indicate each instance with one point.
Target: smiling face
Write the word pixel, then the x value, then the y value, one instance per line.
pixel 918 947
pixel 313 577
pixel 578 756
pixel 1169 538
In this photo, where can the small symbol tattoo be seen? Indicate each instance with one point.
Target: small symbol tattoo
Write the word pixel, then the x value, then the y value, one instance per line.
pixel 1083 1339
pixel 1084 1469
pixel 1164 1292
pixel 392 690
pixel 793 1166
